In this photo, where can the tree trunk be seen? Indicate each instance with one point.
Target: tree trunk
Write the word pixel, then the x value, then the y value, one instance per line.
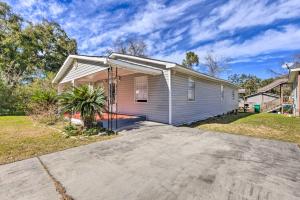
pixel 88 123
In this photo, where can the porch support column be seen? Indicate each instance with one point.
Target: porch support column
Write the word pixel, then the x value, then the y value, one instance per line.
pixel 73 83
pixel 60 88
pixel 168 75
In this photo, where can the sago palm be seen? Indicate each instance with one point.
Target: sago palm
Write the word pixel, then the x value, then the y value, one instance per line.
pixel 88 102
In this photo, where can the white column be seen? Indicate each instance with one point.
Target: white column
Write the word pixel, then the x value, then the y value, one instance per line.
pixel 60 88
pixel 168 75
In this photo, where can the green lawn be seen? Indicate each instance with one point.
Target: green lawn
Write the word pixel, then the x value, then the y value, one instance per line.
pixel 21 137
pixel 263 125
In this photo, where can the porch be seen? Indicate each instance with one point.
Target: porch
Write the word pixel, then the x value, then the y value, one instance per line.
pixel 118 121
pixel 125 85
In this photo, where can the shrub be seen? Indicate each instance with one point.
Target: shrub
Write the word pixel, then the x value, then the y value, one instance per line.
pixel 93 131
pixel 39 99
pixel 72 130
pixel 88 102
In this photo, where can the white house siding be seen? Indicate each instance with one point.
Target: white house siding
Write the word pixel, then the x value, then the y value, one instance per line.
pixel 82 68
pixel 157 107
pixel 207 99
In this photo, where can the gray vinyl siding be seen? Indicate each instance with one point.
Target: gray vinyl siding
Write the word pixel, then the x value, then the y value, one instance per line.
pixel 207 100
pixel 82 68
pixel 157 107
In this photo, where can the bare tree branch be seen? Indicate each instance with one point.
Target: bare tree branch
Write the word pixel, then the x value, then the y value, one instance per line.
pixel 130 46
pixel 215 65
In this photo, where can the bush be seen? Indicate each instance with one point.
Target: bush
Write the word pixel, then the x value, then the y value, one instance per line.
pixel 39 99
pixel 72 130
pixel 10 103
pixel 86 101
pixel 93 131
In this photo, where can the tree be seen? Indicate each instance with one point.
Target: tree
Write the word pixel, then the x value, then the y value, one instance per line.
pixel 27 50
pixel 249 82
pixel 85 101
pixel 130 46
pixel 191 59
pixel 214 65
pixel 52 45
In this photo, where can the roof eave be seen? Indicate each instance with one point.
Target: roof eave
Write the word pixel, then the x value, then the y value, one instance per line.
pixel 201 75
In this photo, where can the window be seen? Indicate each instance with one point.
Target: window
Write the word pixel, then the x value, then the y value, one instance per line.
pixel 191 90
pixel 141 89
pixel 222 92
pixel 233 95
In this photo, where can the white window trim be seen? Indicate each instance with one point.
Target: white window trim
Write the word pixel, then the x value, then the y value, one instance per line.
pixel 134 90
pixel 191 100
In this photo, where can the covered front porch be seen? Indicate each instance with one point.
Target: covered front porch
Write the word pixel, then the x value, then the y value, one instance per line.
pixel 114 77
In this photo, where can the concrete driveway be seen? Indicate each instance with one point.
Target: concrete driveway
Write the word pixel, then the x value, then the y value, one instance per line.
pixel 161 162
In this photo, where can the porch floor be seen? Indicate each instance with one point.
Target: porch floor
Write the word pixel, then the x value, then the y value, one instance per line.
pixel 122 121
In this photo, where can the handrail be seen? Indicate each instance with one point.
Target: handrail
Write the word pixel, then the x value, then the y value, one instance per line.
pixel 276 102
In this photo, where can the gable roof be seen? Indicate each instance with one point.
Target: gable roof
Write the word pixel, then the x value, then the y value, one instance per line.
pixel 138 61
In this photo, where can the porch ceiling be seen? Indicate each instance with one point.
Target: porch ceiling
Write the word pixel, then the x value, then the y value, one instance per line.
pixel 136 67
pixel 102 75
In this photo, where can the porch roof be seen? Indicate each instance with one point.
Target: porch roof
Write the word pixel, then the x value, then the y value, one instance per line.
pixel 134 64
pixel 69 72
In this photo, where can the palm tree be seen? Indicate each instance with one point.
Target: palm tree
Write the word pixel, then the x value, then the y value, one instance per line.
pixel 190 60
pixel 88 102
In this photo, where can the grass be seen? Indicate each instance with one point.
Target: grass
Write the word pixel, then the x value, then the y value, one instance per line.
pixel 21 138
pixel 263 125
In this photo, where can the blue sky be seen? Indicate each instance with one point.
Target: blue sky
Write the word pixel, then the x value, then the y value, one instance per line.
pixel 255 34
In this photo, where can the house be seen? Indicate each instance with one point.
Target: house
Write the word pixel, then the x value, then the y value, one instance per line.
pixel 260 98
pixel 159 90
pixel 294 80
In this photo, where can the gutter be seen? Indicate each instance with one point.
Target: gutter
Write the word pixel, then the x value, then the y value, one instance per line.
pixel 201 75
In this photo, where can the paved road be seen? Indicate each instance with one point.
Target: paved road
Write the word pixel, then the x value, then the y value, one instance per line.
pixel 162 162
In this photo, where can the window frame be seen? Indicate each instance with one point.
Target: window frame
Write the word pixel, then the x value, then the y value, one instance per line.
pixel 233 94
pixel 135 88
pixel 188 89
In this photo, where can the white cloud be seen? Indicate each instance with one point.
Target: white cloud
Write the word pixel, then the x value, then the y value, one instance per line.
pixel 270 41
pixel 237 14
pixel 27 3
pixel 154 17
pixel 259 12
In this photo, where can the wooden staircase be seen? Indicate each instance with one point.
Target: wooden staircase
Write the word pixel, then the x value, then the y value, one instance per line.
pixel 276 104
pixel 272 85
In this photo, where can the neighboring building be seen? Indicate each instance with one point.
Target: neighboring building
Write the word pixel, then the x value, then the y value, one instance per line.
pixel 294 79
pixel 268 101
pixel 162 91
pixel 260 98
